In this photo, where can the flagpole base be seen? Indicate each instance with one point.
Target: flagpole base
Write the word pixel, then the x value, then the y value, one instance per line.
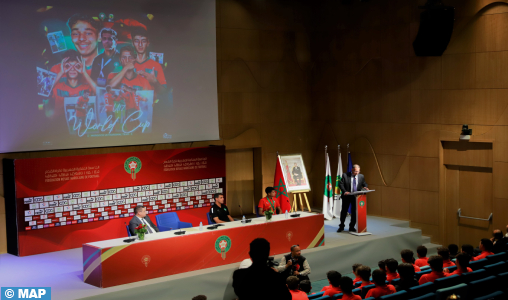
pixel 360 233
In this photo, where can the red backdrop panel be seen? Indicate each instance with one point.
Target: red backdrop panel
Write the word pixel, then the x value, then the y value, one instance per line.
pixel 94 195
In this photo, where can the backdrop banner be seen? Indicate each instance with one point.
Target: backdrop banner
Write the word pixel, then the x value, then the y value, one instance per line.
pixel 64 202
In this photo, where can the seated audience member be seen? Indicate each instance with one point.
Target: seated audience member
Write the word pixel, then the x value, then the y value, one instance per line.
pixel 219 212
pixel 436 264
pixel 407 257
pixel 293 285
pixel 500 242
pixel 364 272
pixel 306 286
pixel 334 281
pixel 199 297
pixel 454 250
pixel 421 252
pixel 382 265
pixel 391 269
pixel 246 281
pixel 346 285
pixel 381 289
pixel 486 249
pixel 445 254
pixel 462 263
pixel 407 277
pixel 141 217
pixel 269 202
pixel 357 278
pixel 294 264
pixel 469 250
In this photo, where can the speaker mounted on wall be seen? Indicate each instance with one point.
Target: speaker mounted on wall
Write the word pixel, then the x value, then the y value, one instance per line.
pixel 436 28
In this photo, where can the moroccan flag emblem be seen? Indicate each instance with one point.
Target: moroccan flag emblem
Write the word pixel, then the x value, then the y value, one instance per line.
pixel 222 245
pixel 362 203
pixel 132 166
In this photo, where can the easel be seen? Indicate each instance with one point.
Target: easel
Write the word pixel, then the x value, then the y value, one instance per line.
pixel 294 207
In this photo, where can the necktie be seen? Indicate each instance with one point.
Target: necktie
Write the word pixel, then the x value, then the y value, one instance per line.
pixel 147 227
pixel 354 184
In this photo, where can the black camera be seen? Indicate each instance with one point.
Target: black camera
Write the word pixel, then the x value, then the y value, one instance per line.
pixel 271 262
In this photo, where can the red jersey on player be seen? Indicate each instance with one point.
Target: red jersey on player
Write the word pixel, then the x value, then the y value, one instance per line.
pixel 108 99
pixel 81 106
pixel 62 90
pixel 150 66
pixel 129 99
pixel 138 82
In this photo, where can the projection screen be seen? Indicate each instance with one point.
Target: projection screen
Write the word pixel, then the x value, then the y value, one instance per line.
pixel 81 74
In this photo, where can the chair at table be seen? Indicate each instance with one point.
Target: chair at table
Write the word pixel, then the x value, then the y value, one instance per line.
pixel 479 264
pixel 400 295
pixel 496 268
pixel 210 220
pixel 316 295
pixel 421 290
pixel 429 296
pixel 128 231
pixel 499 295
pixel 475 275
pixel 501 256
pixel 482 287
pixel 366 289
pixel 170 221
pixel 459 290
pixel 449 281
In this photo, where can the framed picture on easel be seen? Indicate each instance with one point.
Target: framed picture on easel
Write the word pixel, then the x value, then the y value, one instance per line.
pixel 295 173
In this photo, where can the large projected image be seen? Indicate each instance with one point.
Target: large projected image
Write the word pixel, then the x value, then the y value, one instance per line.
pixel 109 74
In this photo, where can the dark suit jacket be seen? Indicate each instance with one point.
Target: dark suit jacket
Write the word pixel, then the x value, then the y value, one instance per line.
pixel 345 183
pixel 134 222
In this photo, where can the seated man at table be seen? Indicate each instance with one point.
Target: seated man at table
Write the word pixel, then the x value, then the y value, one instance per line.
pixel 142 218
pixel 269 202
pixel 294 264
pixel 219 212
pixel 246 282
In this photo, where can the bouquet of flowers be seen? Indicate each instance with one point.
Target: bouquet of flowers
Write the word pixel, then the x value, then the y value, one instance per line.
pixel 268 214
pixel 140 231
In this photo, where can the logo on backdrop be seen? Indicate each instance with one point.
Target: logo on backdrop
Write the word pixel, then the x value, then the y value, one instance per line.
pixel 289 235
pixel 132 166
pixel 222 245
pixel 26 293
pixel 145 260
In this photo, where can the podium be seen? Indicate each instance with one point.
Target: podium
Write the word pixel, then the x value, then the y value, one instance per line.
pixel 361 212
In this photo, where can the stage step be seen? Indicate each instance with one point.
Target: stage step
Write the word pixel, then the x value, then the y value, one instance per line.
pixel 431 248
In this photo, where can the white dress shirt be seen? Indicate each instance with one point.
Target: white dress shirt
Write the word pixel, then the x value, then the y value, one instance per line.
pixel 147 225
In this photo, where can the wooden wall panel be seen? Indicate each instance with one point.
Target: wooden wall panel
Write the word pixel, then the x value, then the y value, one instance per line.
pixel 459 71
pixel 239 180
pixel 424 207
pixel 468 154
pixel 424 173
pixel 395 203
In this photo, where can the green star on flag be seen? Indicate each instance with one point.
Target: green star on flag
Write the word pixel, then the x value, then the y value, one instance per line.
pixel 280 186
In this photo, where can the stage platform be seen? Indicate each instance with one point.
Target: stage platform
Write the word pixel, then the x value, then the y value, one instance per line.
pixel 63 270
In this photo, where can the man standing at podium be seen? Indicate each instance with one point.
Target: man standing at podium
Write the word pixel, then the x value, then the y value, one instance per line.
pixel 351 182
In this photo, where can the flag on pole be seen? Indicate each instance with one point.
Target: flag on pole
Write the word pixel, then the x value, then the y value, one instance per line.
pixel 337 205
pixel 328 193
pixel 279 184
pixel 349 169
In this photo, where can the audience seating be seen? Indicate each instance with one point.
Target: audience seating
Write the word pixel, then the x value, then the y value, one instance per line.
pixel 424 268
pixel 499 295
pixel 210 221
pixel 501 256
pixel 482 287
pixel 358 284
pixel 429 296
pixel 479 264
pixel 452 269
pixel 419 274
pixel 459 290
pixel 357 292
pixel 365 289
pixel 496 268
pixel 370 298
pixel 445 282
pixel 324 298
pixel 170 221
pixel 421 290
pixel 502 279
pixel 401 295
pixel 128 231
pixel 316 295
pixel 395 281
pixel 475 275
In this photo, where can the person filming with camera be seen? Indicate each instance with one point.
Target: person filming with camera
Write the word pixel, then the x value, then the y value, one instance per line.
pixel 294 264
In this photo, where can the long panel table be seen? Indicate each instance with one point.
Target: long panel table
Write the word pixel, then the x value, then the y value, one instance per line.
pixel 114 262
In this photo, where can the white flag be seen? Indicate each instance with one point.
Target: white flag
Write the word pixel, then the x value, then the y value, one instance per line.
pixel 328 193
pixel 337 205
